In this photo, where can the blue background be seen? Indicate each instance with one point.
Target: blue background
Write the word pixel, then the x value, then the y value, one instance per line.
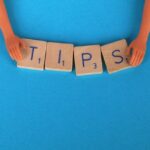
pixel 59 111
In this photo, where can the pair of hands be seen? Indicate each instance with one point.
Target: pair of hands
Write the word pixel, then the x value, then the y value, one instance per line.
pixel 135 51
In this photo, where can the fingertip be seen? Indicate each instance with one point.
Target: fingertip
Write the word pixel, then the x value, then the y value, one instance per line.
pixel 15 56
pixel 18 53
pixel 132 61
pixel 11 54
pixel 137 59
pixel 133 64
pixel 141 59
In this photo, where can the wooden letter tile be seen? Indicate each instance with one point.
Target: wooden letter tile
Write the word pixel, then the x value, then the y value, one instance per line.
pixel 114 56
pixel 59 57
pixel 88 60
pixel 34 55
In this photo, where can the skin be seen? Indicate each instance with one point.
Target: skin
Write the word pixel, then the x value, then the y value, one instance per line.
pixel 13 43
pixel 137 49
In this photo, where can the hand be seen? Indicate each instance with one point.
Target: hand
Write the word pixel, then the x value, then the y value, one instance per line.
pixel 136 52
pixel 14 46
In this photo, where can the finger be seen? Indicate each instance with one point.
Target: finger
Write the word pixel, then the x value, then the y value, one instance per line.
pixel 14 53
pixel 136 60
pixel 11 54
pixel 23 44
pixel 23 48
pixel 18 53
pixel 141 58
pixel 132 58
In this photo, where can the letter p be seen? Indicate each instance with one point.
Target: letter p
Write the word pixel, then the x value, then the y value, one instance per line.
pixel 86 57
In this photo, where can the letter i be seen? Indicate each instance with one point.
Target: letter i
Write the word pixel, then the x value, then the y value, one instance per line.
pixel 59 58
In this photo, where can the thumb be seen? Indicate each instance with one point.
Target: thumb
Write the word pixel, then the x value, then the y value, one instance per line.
pixel 23 44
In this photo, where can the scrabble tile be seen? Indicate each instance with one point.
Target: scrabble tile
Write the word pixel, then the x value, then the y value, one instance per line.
pixel 59 57
pixel 114 56
pixel 34 55
pixel 88 60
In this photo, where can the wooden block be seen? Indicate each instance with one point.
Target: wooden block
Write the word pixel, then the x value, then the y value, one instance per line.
pixel 114 56
pixel 34 55
pixel 88 60
pixel 59 57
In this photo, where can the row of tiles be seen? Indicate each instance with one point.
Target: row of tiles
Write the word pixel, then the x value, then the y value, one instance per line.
pixel 42 55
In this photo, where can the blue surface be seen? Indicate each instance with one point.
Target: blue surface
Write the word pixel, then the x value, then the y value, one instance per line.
pixel 59 111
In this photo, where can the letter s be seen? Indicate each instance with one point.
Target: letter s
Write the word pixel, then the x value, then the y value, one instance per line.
pixel 115 55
